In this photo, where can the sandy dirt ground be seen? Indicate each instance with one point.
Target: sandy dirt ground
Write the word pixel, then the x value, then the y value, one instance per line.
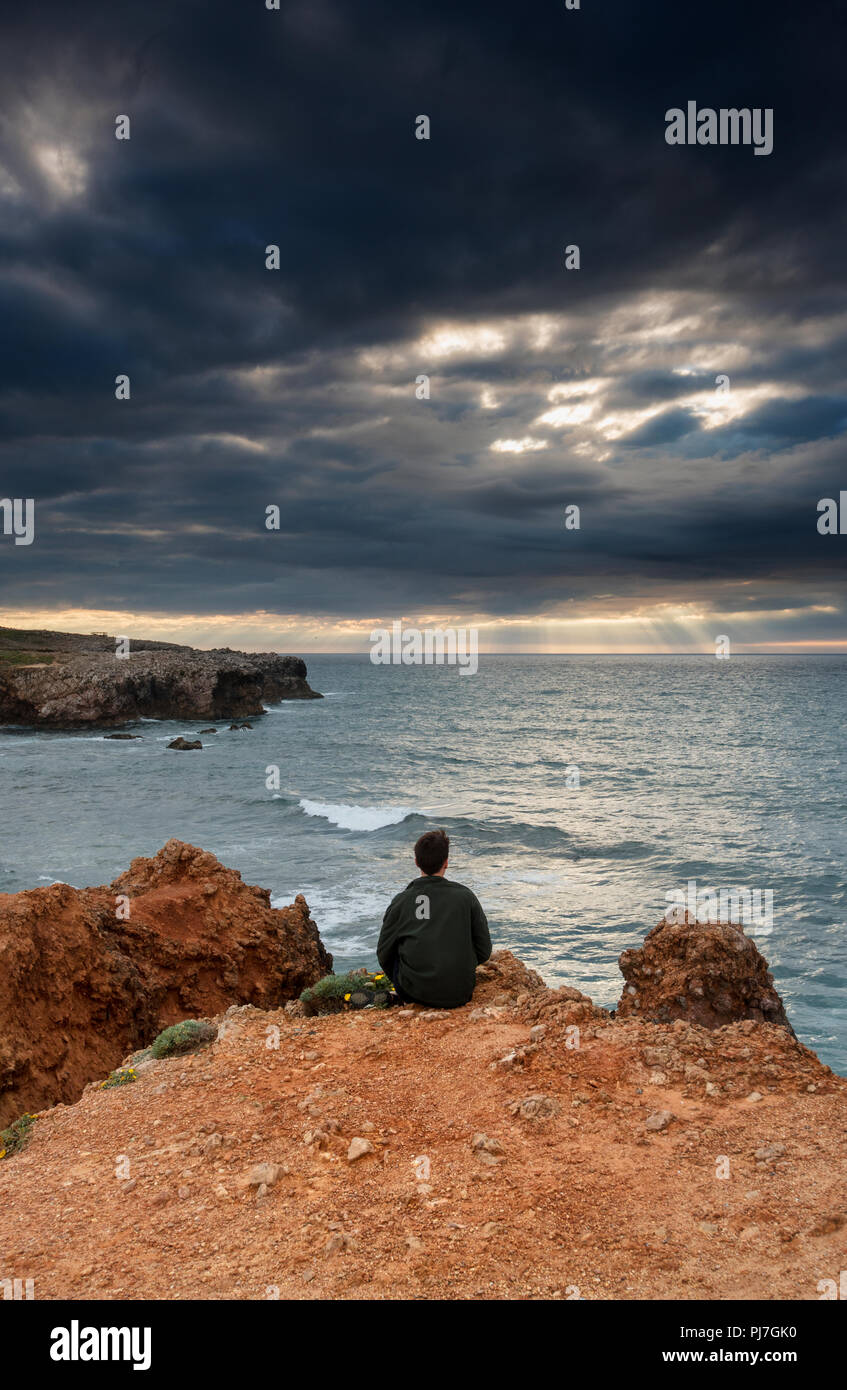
pixel 502 1161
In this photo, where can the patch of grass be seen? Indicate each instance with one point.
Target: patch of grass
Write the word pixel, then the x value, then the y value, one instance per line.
pixel 183 1037
pixel 15 1138
pixel 19 658
pixel 122 1077
pixel 357 989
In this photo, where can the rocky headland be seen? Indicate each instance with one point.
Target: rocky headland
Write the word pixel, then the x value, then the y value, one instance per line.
pixel 530 1145
pixel 89 974
pixel 64 680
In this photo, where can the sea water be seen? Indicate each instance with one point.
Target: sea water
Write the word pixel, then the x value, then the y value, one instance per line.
pixel 578 793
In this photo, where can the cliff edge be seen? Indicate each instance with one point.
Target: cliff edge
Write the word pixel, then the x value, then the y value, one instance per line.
pixel 88 974
pixel 67 680
pixel 529 1146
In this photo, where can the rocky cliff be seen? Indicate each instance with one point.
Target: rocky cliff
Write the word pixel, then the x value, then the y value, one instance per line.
pixel 82 983
pixel 527 1146
pixel 709 974
pixel 65 680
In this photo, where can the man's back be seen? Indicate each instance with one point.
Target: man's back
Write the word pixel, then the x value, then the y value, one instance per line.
pixel 433 936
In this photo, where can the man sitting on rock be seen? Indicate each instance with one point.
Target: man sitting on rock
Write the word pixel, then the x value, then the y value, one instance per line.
pixel 434 933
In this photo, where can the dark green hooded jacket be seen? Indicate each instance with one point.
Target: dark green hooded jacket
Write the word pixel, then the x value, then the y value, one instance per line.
pixel 433 936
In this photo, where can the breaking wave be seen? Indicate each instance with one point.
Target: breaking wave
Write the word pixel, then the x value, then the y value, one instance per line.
pixel 357 817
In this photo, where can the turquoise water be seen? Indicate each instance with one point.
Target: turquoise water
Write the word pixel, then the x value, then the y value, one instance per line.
pixel 733 773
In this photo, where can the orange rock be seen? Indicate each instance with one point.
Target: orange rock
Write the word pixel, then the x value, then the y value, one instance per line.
pixel 80 988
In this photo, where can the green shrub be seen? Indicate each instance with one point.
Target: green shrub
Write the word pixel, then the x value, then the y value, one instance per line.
pixel 15 1138
pixel 183 1037
pixel 14 658
pixel 357 989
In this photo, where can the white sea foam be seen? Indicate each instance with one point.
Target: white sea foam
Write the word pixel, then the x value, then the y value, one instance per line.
pixel 348 919
pixel 357 817
pixel 290 704
pixel 63 738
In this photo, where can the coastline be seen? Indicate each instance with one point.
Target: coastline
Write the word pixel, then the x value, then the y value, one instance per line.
pixel 512 1148
pixel 60 680
pixel 542 1179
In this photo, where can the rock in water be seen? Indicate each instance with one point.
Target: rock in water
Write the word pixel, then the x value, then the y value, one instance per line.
pixel 706 974
pixel 185 745
pixel 86 683
pixel 81 989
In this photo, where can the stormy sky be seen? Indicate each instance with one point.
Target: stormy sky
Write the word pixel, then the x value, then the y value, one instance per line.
pixel 400 258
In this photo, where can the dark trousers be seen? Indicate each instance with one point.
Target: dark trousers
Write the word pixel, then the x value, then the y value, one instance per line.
pixel 393 972
pixel 405 998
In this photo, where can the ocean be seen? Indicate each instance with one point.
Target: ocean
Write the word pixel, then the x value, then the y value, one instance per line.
pixel 578 792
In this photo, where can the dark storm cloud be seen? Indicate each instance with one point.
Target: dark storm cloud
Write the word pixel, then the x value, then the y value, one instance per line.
pixel 666 428
pixel 816 417
pixel 296 388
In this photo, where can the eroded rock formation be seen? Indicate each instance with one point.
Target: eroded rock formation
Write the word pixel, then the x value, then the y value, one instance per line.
pixel 82 984
pixel 62 680
pixel 441 1155
pixel 707 974
pixel 80 987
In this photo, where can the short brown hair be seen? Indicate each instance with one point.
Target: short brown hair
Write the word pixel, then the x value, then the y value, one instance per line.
pixel 432 850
